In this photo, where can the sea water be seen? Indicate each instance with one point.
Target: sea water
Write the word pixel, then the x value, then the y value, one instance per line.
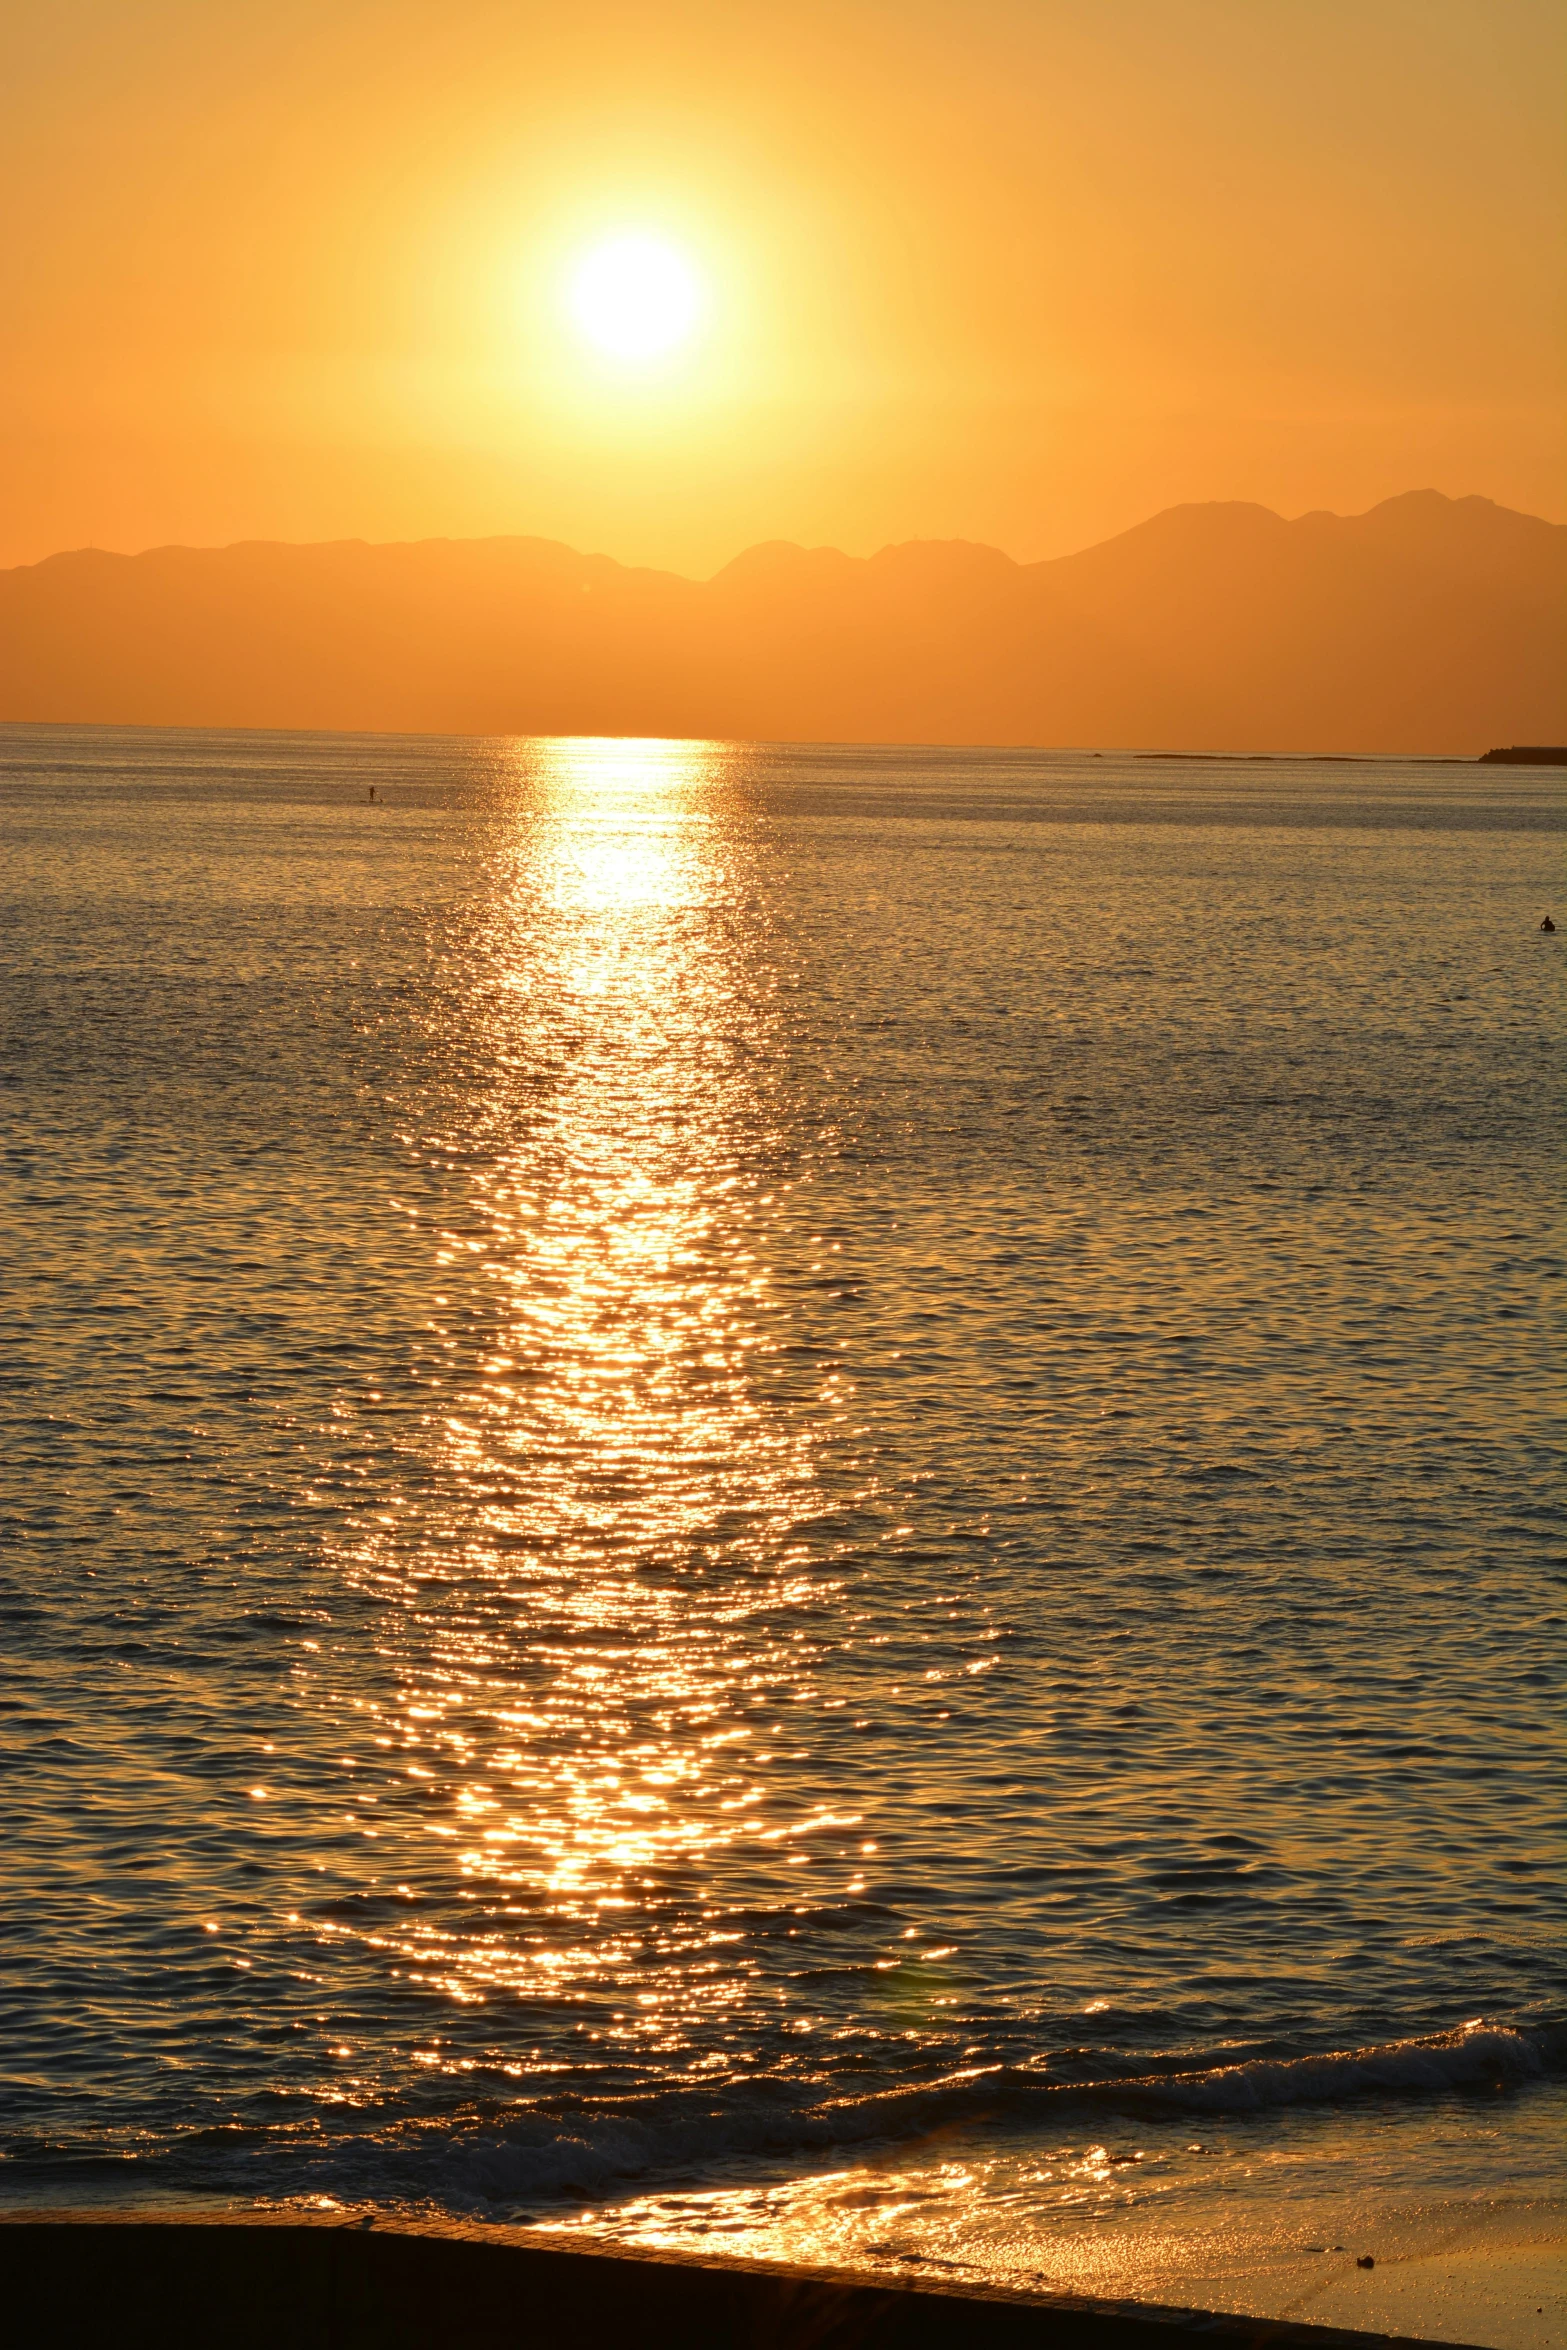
pixel 795 1497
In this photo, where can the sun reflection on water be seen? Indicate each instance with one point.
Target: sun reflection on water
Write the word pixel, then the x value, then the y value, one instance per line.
pixel 593 1559
pixel 623 1309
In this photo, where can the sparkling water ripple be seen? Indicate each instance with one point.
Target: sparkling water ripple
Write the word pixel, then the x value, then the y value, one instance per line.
pixel 718 1451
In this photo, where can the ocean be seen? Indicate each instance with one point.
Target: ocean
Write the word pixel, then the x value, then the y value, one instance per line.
pixel 788 1498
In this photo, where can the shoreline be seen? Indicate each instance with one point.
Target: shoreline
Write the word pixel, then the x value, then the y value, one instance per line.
pixel 326 2282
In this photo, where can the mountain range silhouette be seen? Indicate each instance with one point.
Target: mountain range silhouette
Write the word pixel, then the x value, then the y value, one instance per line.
pixel 1429 624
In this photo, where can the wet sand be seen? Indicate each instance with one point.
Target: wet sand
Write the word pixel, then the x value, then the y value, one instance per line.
pixel 295 2284
pixel 1273 2229
pixel 1462 2272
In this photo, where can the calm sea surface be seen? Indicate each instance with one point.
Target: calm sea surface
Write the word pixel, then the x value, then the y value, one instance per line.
pixel 778 1494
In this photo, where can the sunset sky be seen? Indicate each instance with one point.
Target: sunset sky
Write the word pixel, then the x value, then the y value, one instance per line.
pixel 1015 270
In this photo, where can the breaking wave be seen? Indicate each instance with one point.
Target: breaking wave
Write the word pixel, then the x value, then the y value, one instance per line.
pixel 483 2161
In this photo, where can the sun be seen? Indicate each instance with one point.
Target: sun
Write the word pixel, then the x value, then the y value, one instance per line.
pixel 636 297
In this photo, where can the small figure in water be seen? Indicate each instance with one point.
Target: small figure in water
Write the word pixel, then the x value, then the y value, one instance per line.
pixel 372 791
pixel 1547 924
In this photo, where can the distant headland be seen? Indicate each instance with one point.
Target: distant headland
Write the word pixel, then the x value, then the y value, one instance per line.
pixel 1428 625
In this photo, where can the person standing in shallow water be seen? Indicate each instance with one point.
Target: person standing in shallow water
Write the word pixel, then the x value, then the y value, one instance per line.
pixel 1547 924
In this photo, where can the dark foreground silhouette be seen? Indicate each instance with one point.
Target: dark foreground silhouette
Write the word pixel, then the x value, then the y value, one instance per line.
pixel 1429 624
pixel 283 2285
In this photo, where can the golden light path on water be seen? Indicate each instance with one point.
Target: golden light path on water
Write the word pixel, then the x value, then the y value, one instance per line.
pixel 590 1615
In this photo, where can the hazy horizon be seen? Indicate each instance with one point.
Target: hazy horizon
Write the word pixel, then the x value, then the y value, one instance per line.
pixel 1427 625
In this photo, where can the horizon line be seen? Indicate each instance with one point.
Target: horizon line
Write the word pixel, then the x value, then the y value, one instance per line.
pixel 787 742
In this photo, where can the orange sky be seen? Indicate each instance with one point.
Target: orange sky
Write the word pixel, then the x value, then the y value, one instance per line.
pixel 1014 270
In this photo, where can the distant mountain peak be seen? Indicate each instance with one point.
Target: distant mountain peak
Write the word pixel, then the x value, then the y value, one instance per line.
pixel 773 558
pixel 1428 623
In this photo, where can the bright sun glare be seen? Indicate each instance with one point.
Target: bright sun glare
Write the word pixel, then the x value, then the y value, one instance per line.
pixel 636 297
